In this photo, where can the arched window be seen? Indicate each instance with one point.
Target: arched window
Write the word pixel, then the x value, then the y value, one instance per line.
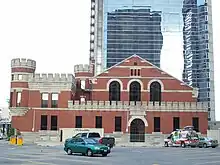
pixel 114 91
pixel 155 91
pixel 135 91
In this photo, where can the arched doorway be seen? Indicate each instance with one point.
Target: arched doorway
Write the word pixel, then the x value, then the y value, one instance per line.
pixel 137 131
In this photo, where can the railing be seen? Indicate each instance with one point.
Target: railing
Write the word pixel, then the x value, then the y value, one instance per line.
pixel 197 106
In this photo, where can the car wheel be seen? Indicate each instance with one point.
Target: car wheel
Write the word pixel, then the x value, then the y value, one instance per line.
pixel 69 151
pixel 183 145
pixel 166 144
pixel 204 145
pixel 213 146
pixel 89 152
pixel 104 155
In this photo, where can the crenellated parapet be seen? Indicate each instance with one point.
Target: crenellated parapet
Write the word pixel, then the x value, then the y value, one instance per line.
pixel 18 111
pixel 52 82
pixel 49 77
pixel 23 63
pixel 82 68
pixel 139 106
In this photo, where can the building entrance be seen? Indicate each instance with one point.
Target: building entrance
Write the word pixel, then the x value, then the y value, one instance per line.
pixel 137 131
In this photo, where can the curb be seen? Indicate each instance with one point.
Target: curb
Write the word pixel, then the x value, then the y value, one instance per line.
pixel 121 145
pixel 143 146
pixel 49 145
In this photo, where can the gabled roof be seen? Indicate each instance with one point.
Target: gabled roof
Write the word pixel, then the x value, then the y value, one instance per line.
pixel 142 59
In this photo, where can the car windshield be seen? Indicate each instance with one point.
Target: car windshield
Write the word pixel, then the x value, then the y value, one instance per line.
pixel 94 135
pixel 194 138
pixel 208 139
pixel 90 141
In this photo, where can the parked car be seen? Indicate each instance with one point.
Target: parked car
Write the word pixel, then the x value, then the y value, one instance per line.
pixel 85 146
pixel 1 136
pixel 207 142
pixel 183 138
pixel 181 142
pixel 108 141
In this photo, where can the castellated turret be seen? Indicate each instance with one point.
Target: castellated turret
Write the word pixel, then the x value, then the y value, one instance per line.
pixel 83 70
pixel 83 74
pixel 21 70
pixel 23 63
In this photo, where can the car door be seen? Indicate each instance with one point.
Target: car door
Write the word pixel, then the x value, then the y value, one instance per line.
pixel 83 146
pixel 201 141
pixel 80 145
pixel 72 145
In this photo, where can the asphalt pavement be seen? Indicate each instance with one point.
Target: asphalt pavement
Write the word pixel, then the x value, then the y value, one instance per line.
pixel 32 154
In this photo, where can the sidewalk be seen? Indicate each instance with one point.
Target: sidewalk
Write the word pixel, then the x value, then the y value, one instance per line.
pixel 53 144
pixel 49 144
pixel 138 145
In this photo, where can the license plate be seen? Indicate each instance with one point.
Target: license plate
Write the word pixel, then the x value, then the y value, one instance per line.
pixel 105 150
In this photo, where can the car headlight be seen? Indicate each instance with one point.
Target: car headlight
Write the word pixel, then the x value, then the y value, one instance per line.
pixel 97 148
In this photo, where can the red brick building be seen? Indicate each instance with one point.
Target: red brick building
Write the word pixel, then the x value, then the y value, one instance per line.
pixel 133 97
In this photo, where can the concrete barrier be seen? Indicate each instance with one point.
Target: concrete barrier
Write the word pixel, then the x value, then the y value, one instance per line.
pixel 215 134
pixel 70 132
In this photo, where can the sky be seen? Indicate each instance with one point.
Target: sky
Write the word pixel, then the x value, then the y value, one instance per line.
pixel 56 34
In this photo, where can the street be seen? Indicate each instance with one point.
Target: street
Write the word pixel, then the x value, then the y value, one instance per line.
pixel 32 154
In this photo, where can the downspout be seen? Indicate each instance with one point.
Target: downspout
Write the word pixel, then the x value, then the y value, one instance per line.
pixel 33 124
pixel 29 108
pixel 127 120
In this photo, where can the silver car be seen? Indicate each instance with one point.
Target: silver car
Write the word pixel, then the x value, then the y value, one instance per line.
pixel 206 142
pixel 1 136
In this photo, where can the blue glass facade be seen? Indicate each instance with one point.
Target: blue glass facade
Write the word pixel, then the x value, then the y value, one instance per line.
pixel 155 28
pixel 197 50
pixel 133 31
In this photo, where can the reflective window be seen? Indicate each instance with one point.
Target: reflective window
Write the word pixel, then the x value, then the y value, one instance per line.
pixel 54 100
pixel 114 91
pixel 155 91
pixel 53 124
pixel 135 91
pixel 18 99
pixel 44 100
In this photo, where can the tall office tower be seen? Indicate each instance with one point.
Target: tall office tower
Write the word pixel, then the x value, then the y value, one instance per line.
pixel 198 50
pixel 155 28
pixel 133 31
pixel 121 29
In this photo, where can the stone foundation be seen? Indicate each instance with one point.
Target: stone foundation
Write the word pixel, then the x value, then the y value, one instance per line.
pixel 122 139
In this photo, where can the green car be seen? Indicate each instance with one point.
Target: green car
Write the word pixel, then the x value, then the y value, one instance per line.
pixel 85 146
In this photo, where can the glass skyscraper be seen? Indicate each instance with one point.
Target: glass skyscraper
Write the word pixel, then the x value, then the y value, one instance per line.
pixel 151 28
pixel 198 50
pixel 133 31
